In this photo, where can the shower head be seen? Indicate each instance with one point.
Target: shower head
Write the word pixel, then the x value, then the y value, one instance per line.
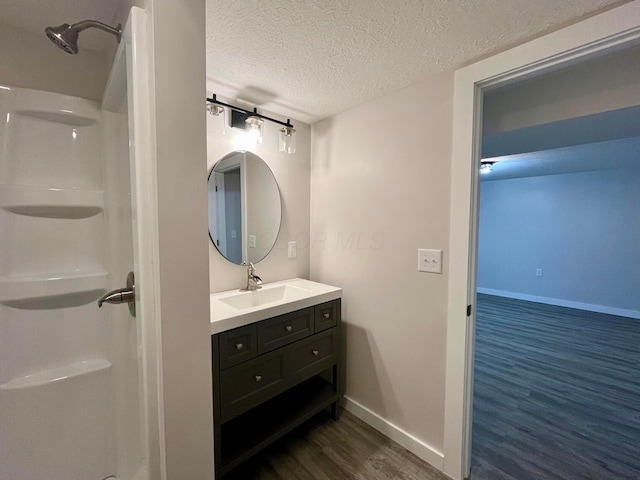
pixel 65 36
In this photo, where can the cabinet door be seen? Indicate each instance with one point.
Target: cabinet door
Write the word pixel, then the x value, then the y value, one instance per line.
pixel 279 331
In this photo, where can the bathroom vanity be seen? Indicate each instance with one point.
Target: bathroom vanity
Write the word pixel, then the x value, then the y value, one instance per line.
pixel 276 363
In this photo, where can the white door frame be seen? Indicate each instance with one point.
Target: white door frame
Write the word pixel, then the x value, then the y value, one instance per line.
pixel 594 36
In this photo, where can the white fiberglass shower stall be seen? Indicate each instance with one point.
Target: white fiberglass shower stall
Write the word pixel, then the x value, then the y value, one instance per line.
pixel 76 381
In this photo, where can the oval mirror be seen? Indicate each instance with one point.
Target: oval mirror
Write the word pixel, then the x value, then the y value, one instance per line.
pixel 244 207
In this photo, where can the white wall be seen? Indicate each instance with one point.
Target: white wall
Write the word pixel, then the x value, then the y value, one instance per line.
pixel 180 150
pixel 292 174
pixel 581 229
pixel 263 208
pixel 380 190
pixel 32 61
pixel 605 83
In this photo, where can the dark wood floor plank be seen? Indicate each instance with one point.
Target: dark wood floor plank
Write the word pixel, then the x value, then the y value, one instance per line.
pixel 347 449
pixel 556 393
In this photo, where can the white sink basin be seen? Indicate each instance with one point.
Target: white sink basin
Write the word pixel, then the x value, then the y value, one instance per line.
pixel 264 296
pixel 234 308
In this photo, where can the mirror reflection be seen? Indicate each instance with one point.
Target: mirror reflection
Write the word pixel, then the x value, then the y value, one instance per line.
pixel 244 207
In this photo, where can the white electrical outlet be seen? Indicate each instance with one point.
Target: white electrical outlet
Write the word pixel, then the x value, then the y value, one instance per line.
pixel 429 260
pixel 538 272
pixel 252 241
pixel 292 250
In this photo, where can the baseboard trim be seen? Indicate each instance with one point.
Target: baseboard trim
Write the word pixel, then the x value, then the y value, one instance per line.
pixel 620 312
pixel 395 433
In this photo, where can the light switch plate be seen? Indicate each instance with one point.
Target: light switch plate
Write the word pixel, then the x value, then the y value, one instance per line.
pixel 252 241
pixel 429 260
pixel 292 250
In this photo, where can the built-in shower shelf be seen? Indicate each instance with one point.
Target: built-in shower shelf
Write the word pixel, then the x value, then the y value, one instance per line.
pixel 51 202
pixel 34 287
pixel 64 117
pixel 65 372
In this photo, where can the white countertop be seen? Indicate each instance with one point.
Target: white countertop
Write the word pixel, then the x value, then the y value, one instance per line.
pixel 305 293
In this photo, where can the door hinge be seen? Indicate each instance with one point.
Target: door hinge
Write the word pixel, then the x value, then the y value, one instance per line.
pixel 468 310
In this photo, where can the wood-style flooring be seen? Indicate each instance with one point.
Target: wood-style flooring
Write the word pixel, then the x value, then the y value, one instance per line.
pixel 324 449
pixel 556 394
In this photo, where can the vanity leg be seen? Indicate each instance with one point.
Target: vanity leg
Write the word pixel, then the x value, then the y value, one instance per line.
pixel 335 414
pixel 217 429
pixel 217 440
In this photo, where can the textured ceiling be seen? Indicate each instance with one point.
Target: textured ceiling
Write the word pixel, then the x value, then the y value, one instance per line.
pixel 310 59
pixel 35 15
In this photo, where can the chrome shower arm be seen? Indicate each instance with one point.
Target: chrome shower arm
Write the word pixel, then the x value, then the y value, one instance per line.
pixel 83 25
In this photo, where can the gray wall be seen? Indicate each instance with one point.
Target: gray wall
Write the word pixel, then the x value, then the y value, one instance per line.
pixel 581 229
pixel 599 85
pixel 32 61
pixel 183 310
pixel 263 208
pixel 380 190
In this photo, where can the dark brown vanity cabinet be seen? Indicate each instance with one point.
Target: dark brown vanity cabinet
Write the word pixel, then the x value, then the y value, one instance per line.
pixel 271 376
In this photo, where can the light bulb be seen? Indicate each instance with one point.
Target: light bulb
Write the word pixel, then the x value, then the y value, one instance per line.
pixel 256 128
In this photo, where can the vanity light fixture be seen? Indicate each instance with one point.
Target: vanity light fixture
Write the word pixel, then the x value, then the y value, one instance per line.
pixel 253 122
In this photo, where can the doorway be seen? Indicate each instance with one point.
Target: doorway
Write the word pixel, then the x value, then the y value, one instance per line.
pixel 227 198
pixel 592 37
pixel 556 311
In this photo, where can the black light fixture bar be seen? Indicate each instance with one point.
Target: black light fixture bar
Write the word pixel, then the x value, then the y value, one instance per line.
pixel 249 113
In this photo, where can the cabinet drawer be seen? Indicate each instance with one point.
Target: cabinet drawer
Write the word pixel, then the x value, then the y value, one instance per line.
pixel 247 385
pixel 237 346
pixel 283 330
pixel 313 355
pixel 326 315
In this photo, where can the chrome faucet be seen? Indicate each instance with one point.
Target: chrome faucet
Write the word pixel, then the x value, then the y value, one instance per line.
pixel 253 280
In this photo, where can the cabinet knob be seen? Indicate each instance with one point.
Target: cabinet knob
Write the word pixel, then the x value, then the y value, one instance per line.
pixel 239 346
pixel 326 315
pixel 258 378
pixel 315 353
pixel 288 328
